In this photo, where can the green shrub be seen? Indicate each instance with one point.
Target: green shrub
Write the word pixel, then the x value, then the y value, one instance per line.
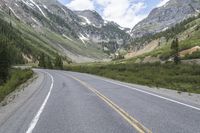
pixel 195 55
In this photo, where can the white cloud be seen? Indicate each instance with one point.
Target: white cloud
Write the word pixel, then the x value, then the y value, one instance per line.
pixel 162 3
pixel 80 5
pixel 124 12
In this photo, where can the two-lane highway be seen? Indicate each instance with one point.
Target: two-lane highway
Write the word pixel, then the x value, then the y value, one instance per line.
pixel 68 102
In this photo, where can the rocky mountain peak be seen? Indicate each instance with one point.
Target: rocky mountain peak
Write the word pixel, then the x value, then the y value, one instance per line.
pixel 85 27
pixel 164 17
pixel 90 17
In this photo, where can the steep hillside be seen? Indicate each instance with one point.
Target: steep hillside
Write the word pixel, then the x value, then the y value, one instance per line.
pixel 54 26
pixel 188 33
pixel 11 40
pixel 166 16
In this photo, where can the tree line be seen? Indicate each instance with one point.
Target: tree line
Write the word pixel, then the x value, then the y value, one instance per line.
pixel 46 62
pixel 4 61
pixel 11 45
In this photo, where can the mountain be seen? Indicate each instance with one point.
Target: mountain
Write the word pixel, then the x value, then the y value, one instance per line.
pixel 51 27
pixel 165 17
pixel 97 30
pixel 157 47
pixel 91 18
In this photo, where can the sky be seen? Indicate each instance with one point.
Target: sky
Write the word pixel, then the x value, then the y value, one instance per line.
pixel 127 13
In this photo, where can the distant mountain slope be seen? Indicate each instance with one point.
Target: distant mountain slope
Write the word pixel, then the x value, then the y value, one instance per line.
pixel 76 35
pixel 157 47
pixel 100 31
pixel 91 18
pixel 166 16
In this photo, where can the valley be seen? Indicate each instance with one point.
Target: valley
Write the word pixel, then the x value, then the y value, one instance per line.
pixel 67 69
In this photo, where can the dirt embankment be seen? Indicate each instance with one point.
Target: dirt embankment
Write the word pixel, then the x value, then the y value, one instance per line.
pixel 148 48
pixel 189 51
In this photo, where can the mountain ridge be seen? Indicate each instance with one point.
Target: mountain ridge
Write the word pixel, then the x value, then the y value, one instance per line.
pixel 84 35
pixel 43 15
pixel 162 18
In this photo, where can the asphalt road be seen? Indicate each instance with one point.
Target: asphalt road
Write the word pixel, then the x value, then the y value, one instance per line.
pixel 68 102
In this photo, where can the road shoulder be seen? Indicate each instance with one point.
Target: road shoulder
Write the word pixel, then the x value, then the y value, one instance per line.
pixel 17 98
pixel 172 94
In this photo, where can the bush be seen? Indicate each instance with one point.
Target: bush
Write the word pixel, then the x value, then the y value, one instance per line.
pixel 195 55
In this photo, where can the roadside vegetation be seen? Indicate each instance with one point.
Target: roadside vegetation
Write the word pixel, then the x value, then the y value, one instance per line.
pixel 11 48
pixel 183 78
pixel 10 78
pixel 16 77
pixel 46 63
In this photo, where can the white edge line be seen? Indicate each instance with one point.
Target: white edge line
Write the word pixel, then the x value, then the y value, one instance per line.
pixel 148 93
pixel 37 116
pixel 155 95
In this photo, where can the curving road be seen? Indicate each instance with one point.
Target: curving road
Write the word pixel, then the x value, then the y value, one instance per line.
pixel 68 102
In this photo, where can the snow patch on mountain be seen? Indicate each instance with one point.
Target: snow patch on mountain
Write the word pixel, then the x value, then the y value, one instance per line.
pixel 165 29
pixel 64 10
pixel 14 13
pixel 83 38
pixel 86 20
pixel 16 4
pixel 67 37
pixel 38 8
pixel 28 4
pixel 45 7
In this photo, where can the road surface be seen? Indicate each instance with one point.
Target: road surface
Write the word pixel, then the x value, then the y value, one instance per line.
pixel 68 102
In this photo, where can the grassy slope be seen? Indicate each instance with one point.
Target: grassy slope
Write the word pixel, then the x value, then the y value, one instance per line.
pixel 16 78
pixel 164 51
pixel 75 47
pixel 178 77
pixel 47 41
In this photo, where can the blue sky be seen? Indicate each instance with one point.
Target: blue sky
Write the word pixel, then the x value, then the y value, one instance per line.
pixel 126 13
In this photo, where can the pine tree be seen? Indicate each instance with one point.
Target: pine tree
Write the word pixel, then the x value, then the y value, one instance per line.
pixel 9 12
pixel 49 63
pixel 175 50
pixel 4 61
pixel 58 62
pixel 42 63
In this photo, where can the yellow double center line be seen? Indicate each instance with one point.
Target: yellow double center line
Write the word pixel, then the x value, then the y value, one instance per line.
pixel 133 122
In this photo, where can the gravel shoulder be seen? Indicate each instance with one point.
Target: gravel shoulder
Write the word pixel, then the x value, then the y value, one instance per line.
pixel 17 98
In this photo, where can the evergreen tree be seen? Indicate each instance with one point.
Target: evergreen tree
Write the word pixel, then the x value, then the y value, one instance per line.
pixel 175 50
pixel 58 62
pixel 49 63
pixel 9 12
pixel 14 42
pixel 4 61
pixel 42 63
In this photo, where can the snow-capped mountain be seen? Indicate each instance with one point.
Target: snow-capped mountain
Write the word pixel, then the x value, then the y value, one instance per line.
pixel 85 26
pixel 90 18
